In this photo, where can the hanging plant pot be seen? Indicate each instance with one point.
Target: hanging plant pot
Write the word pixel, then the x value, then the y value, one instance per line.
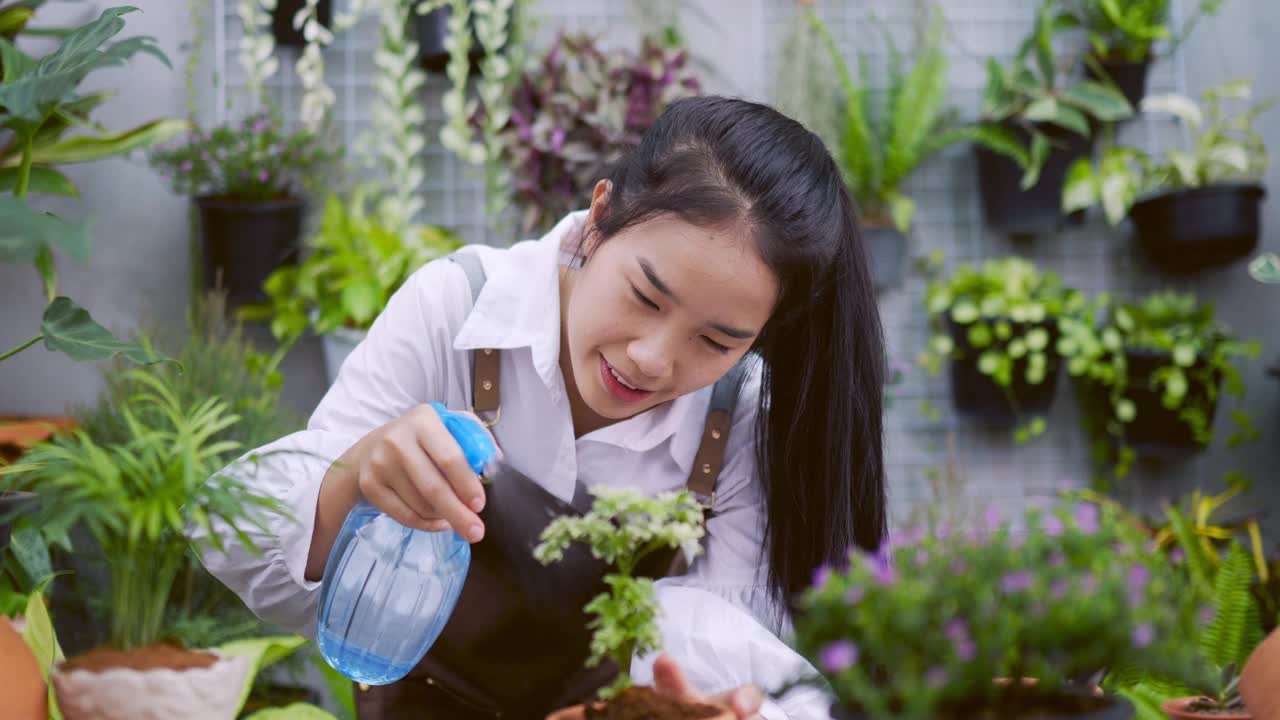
pixel 156 682
pixel 244 242
pixel 1157 432
pixel 977 396
pixel 1008 208
pixel 1194 229
pixel 337 345
pixel 282 20
pixel 887 253
pixel 1129 77
pixel 432 30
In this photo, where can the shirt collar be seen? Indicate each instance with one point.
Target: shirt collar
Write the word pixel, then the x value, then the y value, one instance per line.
pixel 519 307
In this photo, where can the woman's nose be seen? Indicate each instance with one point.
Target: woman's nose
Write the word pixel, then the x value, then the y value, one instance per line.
pixel 652 356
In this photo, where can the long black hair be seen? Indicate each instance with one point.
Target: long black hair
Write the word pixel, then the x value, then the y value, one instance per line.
pixel 715 160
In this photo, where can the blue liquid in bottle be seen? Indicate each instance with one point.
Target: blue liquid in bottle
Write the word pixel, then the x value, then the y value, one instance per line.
pixel 388 590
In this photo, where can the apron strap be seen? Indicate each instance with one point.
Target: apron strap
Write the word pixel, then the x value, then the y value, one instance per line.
pixel 485 369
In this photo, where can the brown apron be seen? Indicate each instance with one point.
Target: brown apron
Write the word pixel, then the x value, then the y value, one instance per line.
pixel 517 641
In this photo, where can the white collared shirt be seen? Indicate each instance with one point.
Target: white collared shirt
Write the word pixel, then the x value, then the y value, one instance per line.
pixel 419 350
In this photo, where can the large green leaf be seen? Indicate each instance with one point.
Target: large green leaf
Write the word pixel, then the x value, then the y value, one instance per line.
pixel 1236 628
pixel 296 711
pixel 40 637
pixel 262 652
pixel 43 180
pixel 33 93
pixel 69 329
pixel 340 687
pixel 24 232
pixel 87 148
pixel 16 63
pixel 13 19
pixel 1103 102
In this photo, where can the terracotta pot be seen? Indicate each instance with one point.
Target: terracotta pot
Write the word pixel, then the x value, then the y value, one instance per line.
pixel 1175 709
pixel 121 693
pixel 23 694
pixel 1261 678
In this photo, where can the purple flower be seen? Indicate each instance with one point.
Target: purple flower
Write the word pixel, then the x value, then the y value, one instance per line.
pixel 1089 584
pixel 922 556
pixel 855 594
pixel 1143 635
pixel 821 575
pixel 956 630
pixel 1087 518
pixel 1019 581
pixel 262 176
pixel 885 574
pixel 1207 614
pixel 936 677
pixel 1052 525
pixel 991 519
pixel 838 656
pixel 958 567
pixel 1056 558
pixel 186 166
pixel 260 124
pixel 966 650
pixel 557 139
pixel 1177 556
pixel 1059 588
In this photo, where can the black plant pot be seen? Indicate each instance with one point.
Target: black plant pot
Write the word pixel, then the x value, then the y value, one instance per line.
pixel 244 242
pixel 1129 77
pixel 1111 707
pixel 887 253
pixel 282 20
pixel 1189 230
pixel 978 397
pixel 1010 209
pixel 12 504
pixel 1156 432
pixel 432 29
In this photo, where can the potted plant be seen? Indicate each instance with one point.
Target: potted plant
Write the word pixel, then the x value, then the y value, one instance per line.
pixel 623 527
pixel 136 499
pixel 354 264
pixel 995 622
pixel 1194 207
pixel 1150 375
pixel 576 112
pixel 998 325
pixel 1122 34
pixel 879 145
pixel 1036 120
pixel 247 180
pixel 41 102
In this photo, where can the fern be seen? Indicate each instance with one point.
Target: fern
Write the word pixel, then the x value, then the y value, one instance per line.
pixel 917 107
pixel 1198 562
pixel 1237 626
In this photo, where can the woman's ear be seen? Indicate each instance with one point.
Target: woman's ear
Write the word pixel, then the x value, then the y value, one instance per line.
pixel 599 201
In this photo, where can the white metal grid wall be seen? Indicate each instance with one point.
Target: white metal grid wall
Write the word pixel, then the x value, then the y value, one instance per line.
pixel 989 467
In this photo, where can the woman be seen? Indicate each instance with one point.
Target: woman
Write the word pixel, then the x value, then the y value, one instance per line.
pixel 724 247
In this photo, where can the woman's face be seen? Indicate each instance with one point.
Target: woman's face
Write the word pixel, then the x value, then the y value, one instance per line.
pixel 662 309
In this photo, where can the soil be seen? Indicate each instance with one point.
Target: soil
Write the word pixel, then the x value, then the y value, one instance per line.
pixel 644 703
pixel 151 657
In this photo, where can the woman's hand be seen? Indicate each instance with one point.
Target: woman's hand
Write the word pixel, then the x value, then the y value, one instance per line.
pixel 413 470
pixel 669 680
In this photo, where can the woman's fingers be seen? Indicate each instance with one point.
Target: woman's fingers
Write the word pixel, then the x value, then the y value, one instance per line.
pixel 670 680
pixel 447 455
pixel 386 499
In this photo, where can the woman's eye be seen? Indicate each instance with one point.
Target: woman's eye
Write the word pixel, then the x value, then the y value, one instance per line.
pixel 722 349
pixel 640 296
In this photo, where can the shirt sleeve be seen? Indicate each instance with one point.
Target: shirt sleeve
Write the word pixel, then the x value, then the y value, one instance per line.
pixel 719 621
pixel 402 362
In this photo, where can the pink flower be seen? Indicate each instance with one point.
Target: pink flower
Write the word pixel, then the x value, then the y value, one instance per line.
pixel 1016 582
pixel 1052 525
pixel 1059 588
pixel 1143 635
pixel 262 176
pixel 1206 614
pixel 1087 518
pixel 821 575
pixel 186 166
pixel 955 629
pixel 855 594
pixel 966 650
pixel 1056 558
pixel 838 656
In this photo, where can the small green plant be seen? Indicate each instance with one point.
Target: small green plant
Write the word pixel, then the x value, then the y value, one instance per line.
pixel 622 528
pixel 1127 29
pixel 1197 357
pixel 879 144
pixel 40 101
pixel 1005 313
pixel 354 265
pixel 1223 149
pixel 926 626
pixel 1039 95
pixel 255 160
pixel 136 498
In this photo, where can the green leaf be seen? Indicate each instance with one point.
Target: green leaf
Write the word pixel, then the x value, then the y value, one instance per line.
pixel 998 139
pixel 1236 628
pixel 262 652
pixel 917 108
pixel 1103 102
pixel 1037 338
pixel 1126 411
pixel 296 711
pixel 13 19
pixel 69 329
pixel 43 180
pixel 1039 154
pixel 989 362
pixel 1184 355
pixel 1180 106
pixel 340 687
pixel 39 636
pixel 903 209
pixel 24 231
pixel 28 548
pixel 964 312
pixel 1265 268
pixel 16 63
pixel 1079 190
pixel 360 300
pixel 87 148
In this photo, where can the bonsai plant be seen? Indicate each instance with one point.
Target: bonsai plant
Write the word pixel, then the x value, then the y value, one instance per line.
pixel 353 266
pixel 998 325
pixel 623 527
pixel 247 180
pixel 1191 208
pixel 40 102
pixel 1036 120
pixel 576 112
pixel 135 499
pixel 1122 34
pixel 1150 375
pixel 995 622
pixel 878 145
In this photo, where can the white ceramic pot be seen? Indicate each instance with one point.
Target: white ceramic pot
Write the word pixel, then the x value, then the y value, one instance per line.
pixel 211 693
pixel 337 346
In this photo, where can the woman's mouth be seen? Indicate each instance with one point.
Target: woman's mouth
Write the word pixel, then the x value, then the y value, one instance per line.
pixel 619 386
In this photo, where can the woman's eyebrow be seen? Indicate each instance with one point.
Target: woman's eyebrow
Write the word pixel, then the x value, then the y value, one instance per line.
pixel 652 276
